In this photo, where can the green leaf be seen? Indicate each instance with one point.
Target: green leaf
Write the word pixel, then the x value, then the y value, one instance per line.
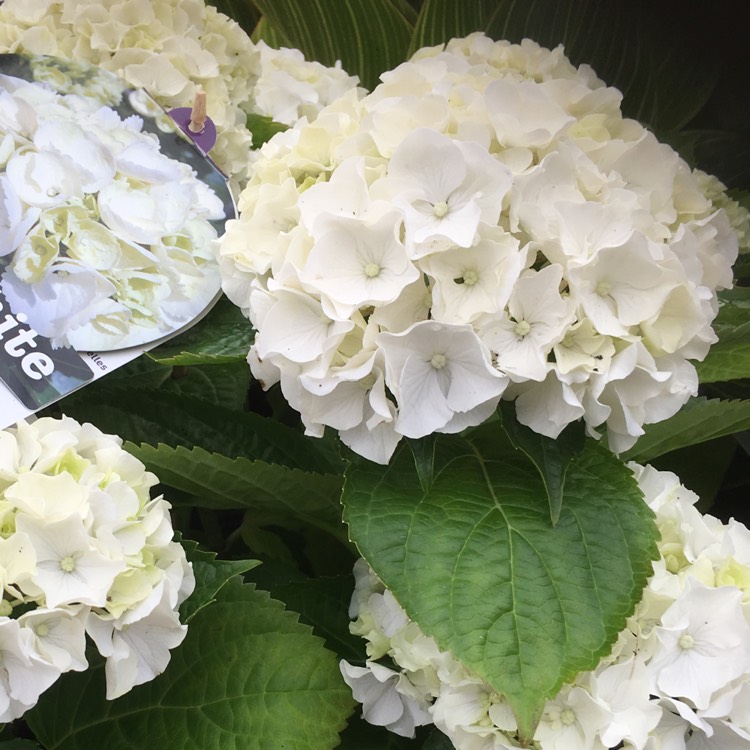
pixel 367 36
pixel 19 745
pixel 266 32
pixel 474 561
pixel 221 483
pixel 322 603
pixel 727 155
pixel 665 80
pixel 441 20
pixel 241 11
pixel 248 675
pixel 224 335
pixel 551 457
pixel 263 128
pixel 153 417
pixel 225 385
pixel 211 575
pixel 138 374
pixel 437 741
pixel 700 420
pixel 729 358
pixel 702 468
pixel 734 309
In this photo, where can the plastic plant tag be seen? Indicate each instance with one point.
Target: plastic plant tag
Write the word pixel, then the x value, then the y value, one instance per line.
pixel 108 213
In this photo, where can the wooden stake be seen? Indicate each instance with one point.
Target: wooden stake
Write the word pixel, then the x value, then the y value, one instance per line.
pixel 198 114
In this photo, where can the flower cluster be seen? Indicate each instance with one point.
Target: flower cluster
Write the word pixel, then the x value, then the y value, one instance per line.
pixel 289 87
pixel 171 48
pixel 739 216
pixel 83 549
pixel 110 238
pixel 678 676
pixel 484 224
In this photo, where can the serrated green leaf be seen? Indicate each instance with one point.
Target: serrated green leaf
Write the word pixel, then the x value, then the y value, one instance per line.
pixel 263 128
pixel 322 603
pixel 224 385
pixel 140 373
pixel 153 417
pixel 474 561
pixel 367 36
pixel 734 309
pixel 221 483
pixel 224 335
pixel 211 575
pixel 700 420
pixel 258 679
pixel 551 457
pixel 729 358
pixel 665 81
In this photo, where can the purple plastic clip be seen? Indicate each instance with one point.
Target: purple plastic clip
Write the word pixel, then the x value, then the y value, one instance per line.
pixel 204 140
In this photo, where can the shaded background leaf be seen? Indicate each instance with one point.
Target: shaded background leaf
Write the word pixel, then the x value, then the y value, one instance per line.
pixel 162 417
pixel 322 603
pixel 224 335
pixel 223 385
pixel 216 481
pixel 699 421
pixel 367 36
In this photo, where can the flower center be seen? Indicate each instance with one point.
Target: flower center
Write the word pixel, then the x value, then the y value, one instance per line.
pixel 51 192
pixel 438 361
pixel 522 328
pixel 567 717
pixel 603 288
pixel 372 270
pixel 68 564
pixel 42 630
pixel 440 209
pixel 471 277
pixel 686 641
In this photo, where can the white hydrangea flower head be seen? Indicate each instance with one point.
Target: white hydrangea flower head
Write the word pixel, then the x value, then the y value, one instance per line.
pixel 172 48
pixel 739 216
pixel 677 678
pixel 83 549
pixel 492 196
